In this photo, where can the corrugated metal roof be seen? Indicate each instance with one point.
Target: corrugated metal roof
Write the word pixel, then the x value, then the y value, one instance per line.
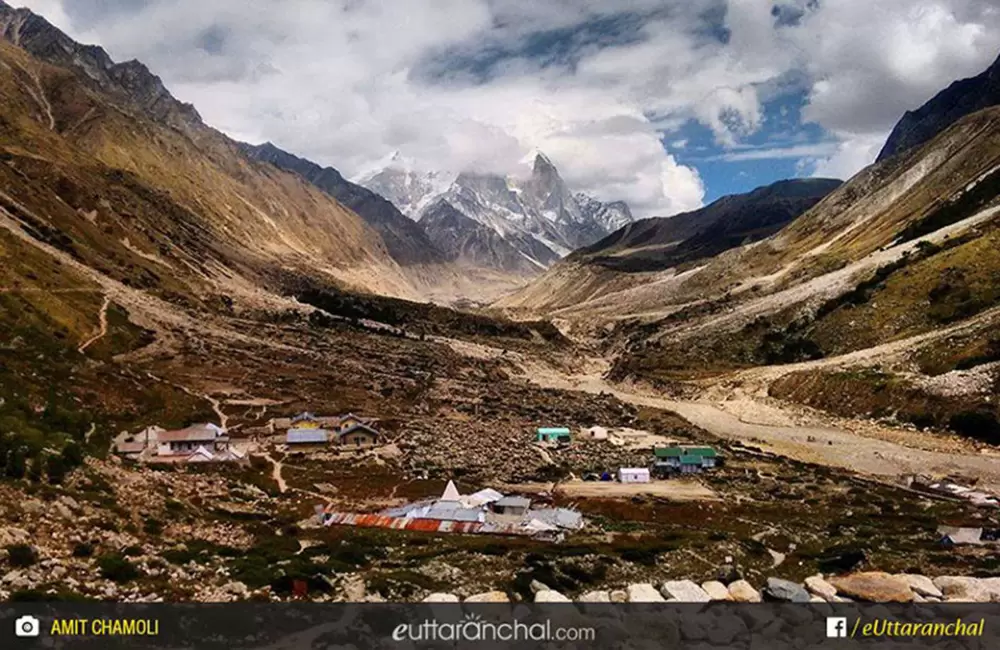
pixel 423 525
pixel 513 502
pixel 307 436
pixel 553 431
pixel 449 512
pixel 562 517
pixel 691 459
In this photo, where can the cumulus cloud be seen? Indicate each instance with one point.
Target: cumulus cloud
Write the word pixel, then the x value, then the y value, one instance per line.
pixel 871 62
pixel 599 85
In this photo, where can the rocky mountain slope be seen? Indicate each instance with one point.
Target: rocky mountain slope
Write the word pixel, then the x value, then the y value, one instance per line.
pixel 947 107
pixel 407 242
pixel 537 215
pixel 732 221
pixel 161 190
pixel 624 259
pixel 470 243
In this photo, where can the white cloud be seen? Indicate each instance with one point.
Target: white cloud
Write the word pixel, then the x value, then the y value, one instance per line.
pixel 852 154
pixel 817 150
pixel 345 82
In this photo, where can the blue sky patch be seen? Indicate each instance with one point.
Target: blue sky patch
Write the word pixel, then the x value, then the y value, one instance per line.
pixel 782 148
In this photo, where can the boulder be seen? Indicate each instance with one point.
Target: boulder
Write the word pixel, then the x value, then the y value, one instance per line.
pixel 441 598
pixel 743 592
pixel 962 590
pixel 549 596
pixel 820 587
pixel 921 585
pixel 595 597
pixel 716 590
pixel 644 593
pixel 489 597
pixel 237 589
pixel 874 587
pixel 785 590
pixel 684 591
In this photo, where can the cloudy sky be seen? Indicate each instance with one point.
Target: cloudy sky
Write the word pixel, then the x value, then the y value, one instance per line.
pixel 664 103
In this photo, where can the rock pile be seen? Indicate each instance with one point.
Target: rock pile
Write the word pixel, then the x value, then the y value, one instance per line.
pixel 872 586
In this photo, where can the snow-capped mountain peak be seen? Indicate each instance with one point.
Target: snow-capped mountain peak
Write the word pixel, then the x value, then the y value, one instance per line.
pixel 537 214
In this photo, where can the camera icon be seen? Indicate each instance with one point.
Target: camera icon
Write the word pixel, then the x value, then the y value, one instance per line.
pixel 26 626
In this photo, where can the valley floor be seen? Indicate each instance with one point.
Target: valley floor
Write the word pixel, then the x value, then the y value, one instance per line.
pixel 736 407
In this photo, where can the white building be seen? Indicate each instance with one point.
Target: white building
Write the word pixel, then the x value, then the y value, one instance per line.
pixel 633 475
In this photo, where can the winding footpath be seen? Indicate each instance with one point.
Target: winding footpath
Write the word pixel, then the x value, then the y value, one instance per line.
pixel 102 318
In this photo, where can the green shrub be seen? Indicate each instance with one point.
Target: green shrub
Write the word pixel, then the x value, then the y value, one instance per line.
pixel 152 526
pixel 117 568
pixel 22 555
pixel 980 424
pixel 83 549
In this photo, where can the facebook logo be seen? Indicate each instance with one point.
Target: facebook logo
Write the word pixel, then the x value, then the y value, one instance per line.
pixel 836 627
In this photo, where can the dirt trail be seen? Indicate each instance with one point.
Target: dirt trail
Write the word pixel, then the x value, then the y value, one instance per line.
pixel 736 408
pixel 822 444
pixel 102 317
pixel 276 473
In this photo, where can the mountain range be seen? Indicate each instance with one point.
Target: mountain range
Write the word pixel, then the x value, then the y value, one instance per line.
pixel 538 216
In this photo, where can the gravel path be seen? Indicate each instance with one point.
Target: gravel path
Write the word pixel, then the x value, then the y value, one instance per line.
pixel 735 408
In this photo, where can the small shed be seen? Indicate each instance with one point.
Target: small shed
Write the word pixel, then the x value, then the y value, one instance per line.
pixel 307 437
pixel 512 505
pixel 596 433
pixel 552 434
pixel 633 475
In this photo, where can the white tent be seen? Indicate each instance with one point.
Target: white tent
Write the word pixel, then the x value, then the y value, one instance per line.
pixel 451 492
pixel 598 433
pixel 633 475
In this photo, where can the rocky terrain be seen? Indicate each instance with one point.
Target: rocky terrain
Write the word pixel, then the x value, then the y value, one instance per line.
pixel 153 274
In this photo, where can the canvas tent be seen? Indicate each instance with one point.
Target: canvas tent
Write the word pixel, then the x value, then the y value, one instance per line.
pixel 633 475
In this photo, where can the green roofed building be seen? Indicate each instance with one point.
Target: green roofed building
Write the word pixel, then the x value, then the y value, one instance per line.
pixel 552 434
pixel 685 459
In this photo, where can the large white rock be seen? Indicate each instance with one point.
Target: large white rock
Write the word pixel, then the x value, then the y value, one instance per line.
pixel 549 596
pixel 922 585
pixel 644 593
pixel 441 598
pixel 818 586
pixel 743 592
pixel 595 597
pixel 489 597
pixel 684 591
pixel 957 589
pixel 716 590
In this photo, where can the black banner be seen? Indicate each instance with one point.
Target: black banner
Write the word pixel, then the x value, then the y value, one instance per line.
pixel 452 625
